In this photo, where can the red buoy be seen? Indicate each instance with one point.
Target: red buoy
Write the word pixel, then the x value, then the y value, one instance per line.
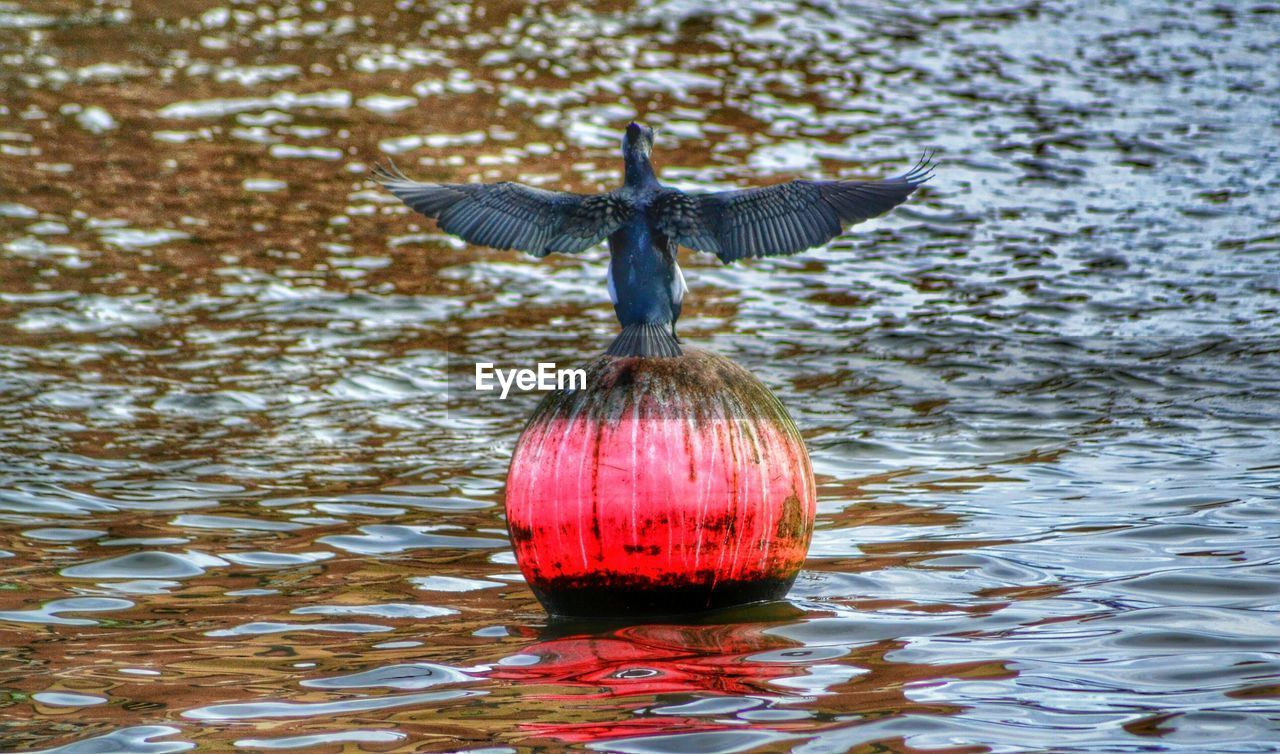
pixel 667 486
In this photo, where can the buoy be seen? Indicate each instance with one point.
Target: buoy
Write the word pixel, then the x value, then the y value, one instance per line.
pixel 667 486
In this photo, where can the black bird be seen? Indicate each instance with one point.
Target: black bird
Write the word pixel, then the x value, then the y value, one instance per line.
pixel 645 223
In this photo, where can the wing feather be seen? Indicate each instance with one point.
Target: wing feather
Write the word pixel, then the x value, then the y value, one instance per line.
pixel 511 215
pixel 782 219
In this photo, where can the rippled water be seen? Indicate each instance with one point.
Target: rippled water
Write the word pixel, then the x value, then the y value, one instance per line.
pixel 248 501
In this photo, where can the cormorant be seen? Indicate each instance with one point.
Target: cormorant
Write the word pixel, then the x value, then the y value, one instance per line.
pixel 645 223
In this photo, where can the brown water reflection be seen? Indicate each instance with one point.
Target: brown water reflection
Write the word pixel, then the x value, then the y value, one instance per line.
pixel 249 502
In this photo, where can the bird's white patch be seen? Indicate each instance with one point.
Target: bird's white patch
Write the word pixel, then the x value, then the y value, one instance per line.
pixel 613 290
pixel 678 287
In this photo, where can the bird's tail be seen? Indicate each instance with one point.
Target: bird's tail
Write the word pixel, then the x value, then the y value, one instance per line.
pixel 649 339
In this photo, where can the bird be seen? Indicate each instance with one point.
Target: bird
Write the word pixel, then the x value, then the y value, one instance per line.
pixel 646 222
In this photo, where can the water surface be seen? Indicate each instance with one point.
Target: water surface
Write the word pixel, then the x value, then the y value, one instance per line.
pixel 248 503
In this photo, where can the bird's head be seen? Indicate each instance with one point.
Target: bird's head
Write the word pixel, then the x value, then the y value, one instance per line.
pixel 638 140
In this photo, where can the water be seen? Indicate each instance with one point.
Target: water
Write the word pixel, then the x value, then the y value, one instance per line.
pixel 248 501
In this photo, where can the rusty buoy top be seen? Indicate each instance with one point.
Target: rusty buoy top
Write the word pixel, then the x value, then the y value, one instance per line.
pixel 667 486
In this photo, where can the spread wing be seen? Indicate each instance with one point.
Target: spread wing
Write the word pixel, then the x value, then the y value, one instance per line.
pixel 781 219
pixel 511 215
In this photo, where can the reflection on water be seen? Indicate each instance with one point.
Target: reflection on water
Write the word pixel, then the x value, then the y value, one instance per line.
pixel 249 503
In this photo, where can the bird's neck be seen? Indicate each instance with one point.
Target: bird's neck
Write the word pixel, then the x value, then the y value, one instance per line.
pixel 639 171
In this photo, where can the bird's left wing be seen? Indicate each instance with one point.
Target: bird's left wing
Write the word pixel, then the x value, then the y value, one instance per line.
pixel 511 215
pixel 782 219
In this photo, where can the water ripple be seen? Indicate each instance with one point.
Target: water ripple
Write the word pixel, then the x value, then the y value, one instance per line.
pixel 236 377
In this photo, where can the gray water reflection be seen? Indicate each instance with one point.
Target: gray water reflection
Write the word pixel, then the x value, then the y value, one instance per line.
pixel 249 500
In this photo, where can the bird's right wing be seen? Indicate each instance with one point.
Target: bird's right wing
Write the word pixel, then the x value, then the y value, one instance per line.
pixel 511 215
pixel 785 218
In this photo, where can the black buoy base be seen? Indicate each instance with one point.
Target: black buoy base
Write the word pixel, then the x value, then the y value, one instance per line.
pixel 614 598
